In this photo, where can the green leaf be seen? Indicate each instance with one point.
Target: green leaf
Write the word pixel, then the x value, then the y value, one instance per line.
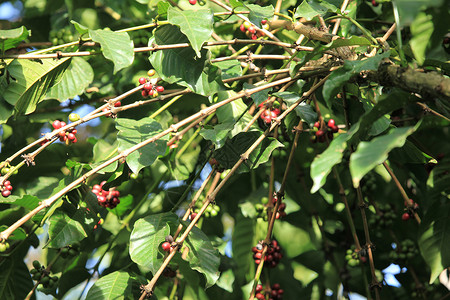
pixel 74 80
pixel 15 279
pixel 27 201
pixel 202 256
pixel 258 97
pixel 10 38
pixel 116 46
pixel 218 133
pixel 148 233
pixel 163 7
pixel 324 162
pixel 258 13
pixel 6 110
pixel 370 154
pixel 80 28
pixel 65 230
pixel 229 68
pixel 309 11
pixel 408 9
pixel 32 81
pixel 132 132
pixel 352 41
pixel 231 152
pixel 71 278
pixel 226 280
pixel 103 151
pixel 196 25
pixel 114 286
pixel 434 238
pixel 351 68
pixel 303 110
pixel 182 65
pixel 242 244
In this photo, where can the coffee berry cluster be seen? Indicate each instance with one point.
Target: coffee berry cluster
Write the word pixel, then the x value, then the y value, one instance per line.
pixel 40 274
pixel 167 245
pixel 385 216
pixel 108 199
pixel 70 251
pixel 68 136
pixel 6 189
pixel 149 89
pixel 324 131
pixel 271 113
pixel 250 30
pixel 405 251
pixel 211 211
pixel 273 254
pixel 275 292
pixel 410 210
pixel 4 246
pixel 7 168
pixel 353 258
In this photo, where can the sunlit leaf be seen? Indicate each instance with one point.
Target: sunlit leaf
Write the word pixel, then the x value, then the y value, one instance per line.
pixel 112 286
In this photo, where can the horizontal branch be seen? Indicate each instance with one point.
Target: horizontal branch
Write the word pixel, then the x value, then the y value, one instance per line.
pixel 411 80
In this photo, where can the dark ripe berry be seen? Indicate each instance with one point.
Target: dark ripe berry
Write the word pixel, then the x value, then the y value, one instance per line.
pixel 263 22
pixel 148 86
pixel 260 296
pixel 166 246
pixel 254 250
pixel 374 3
pixel 242 28
pixel 117 104
pixel 56 124
pixel 320 133
pixel 142 80
pixel 282 207
pixel 257 255
pixel 331 123
pixel 160 88
pixel 276 286
pixel 259 288
pixel 144 93
pixel 317 125
pixel 274 243
pixel 274 293
pixel 268 258
pixel 192 216
pixel 192 2
pixel 280 292
pixel 6 193
pixel 334 129
pixel 405 216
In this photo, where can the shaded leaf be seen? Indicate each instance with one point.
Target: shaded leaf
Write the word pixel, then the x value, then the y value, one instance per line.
pixel 182 65
pixel 114 286
pixel 242 244
pixel 71 278
pixel 258 13
pixel 10 38
pixel 116 46
pixel 258 97
pixel 15 279
pixel 148 233
pixel 32 81
pixel 370 154
pixel 74 80
pixel 27 201
pixel 132 132
pixel 202 256
pixel 218 133
pixel 303 110
pixel 229 68
pixel 65 230
pixel 196 25
pixel 434 238
pixel 351 68
pixel 231 152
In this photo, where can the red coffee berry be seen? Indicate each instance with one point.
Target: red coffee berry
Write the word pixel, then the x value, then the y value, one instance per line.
pixel 117 104
pixel 142 80
pixel 334 129
pixel 56 124
pixel 71 136
pixel 259 288
pixel 331 123
pixel 166 246
pixel 317 125
pixel 257 261
pixel 6 193
pixel 63 124
pixel 257 255
pixel 254 37
pixel 242 28
pixel 320 133
pixel 7 182
pixel 260 296
pixel 263 22
pixel 160 88
pixel 252 29
pixel 193 215
pixel 148 86
pixel 276 286
pixel 192 2
pixel 405 216
pixel 144 93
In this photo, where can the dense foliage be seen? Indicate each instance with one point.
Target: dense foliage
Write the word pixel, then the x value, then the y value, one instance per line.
pixel 225 149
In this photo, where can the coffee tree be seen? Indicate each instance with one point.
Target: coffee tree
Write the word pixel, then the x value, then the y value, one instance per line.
pixel 225 149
